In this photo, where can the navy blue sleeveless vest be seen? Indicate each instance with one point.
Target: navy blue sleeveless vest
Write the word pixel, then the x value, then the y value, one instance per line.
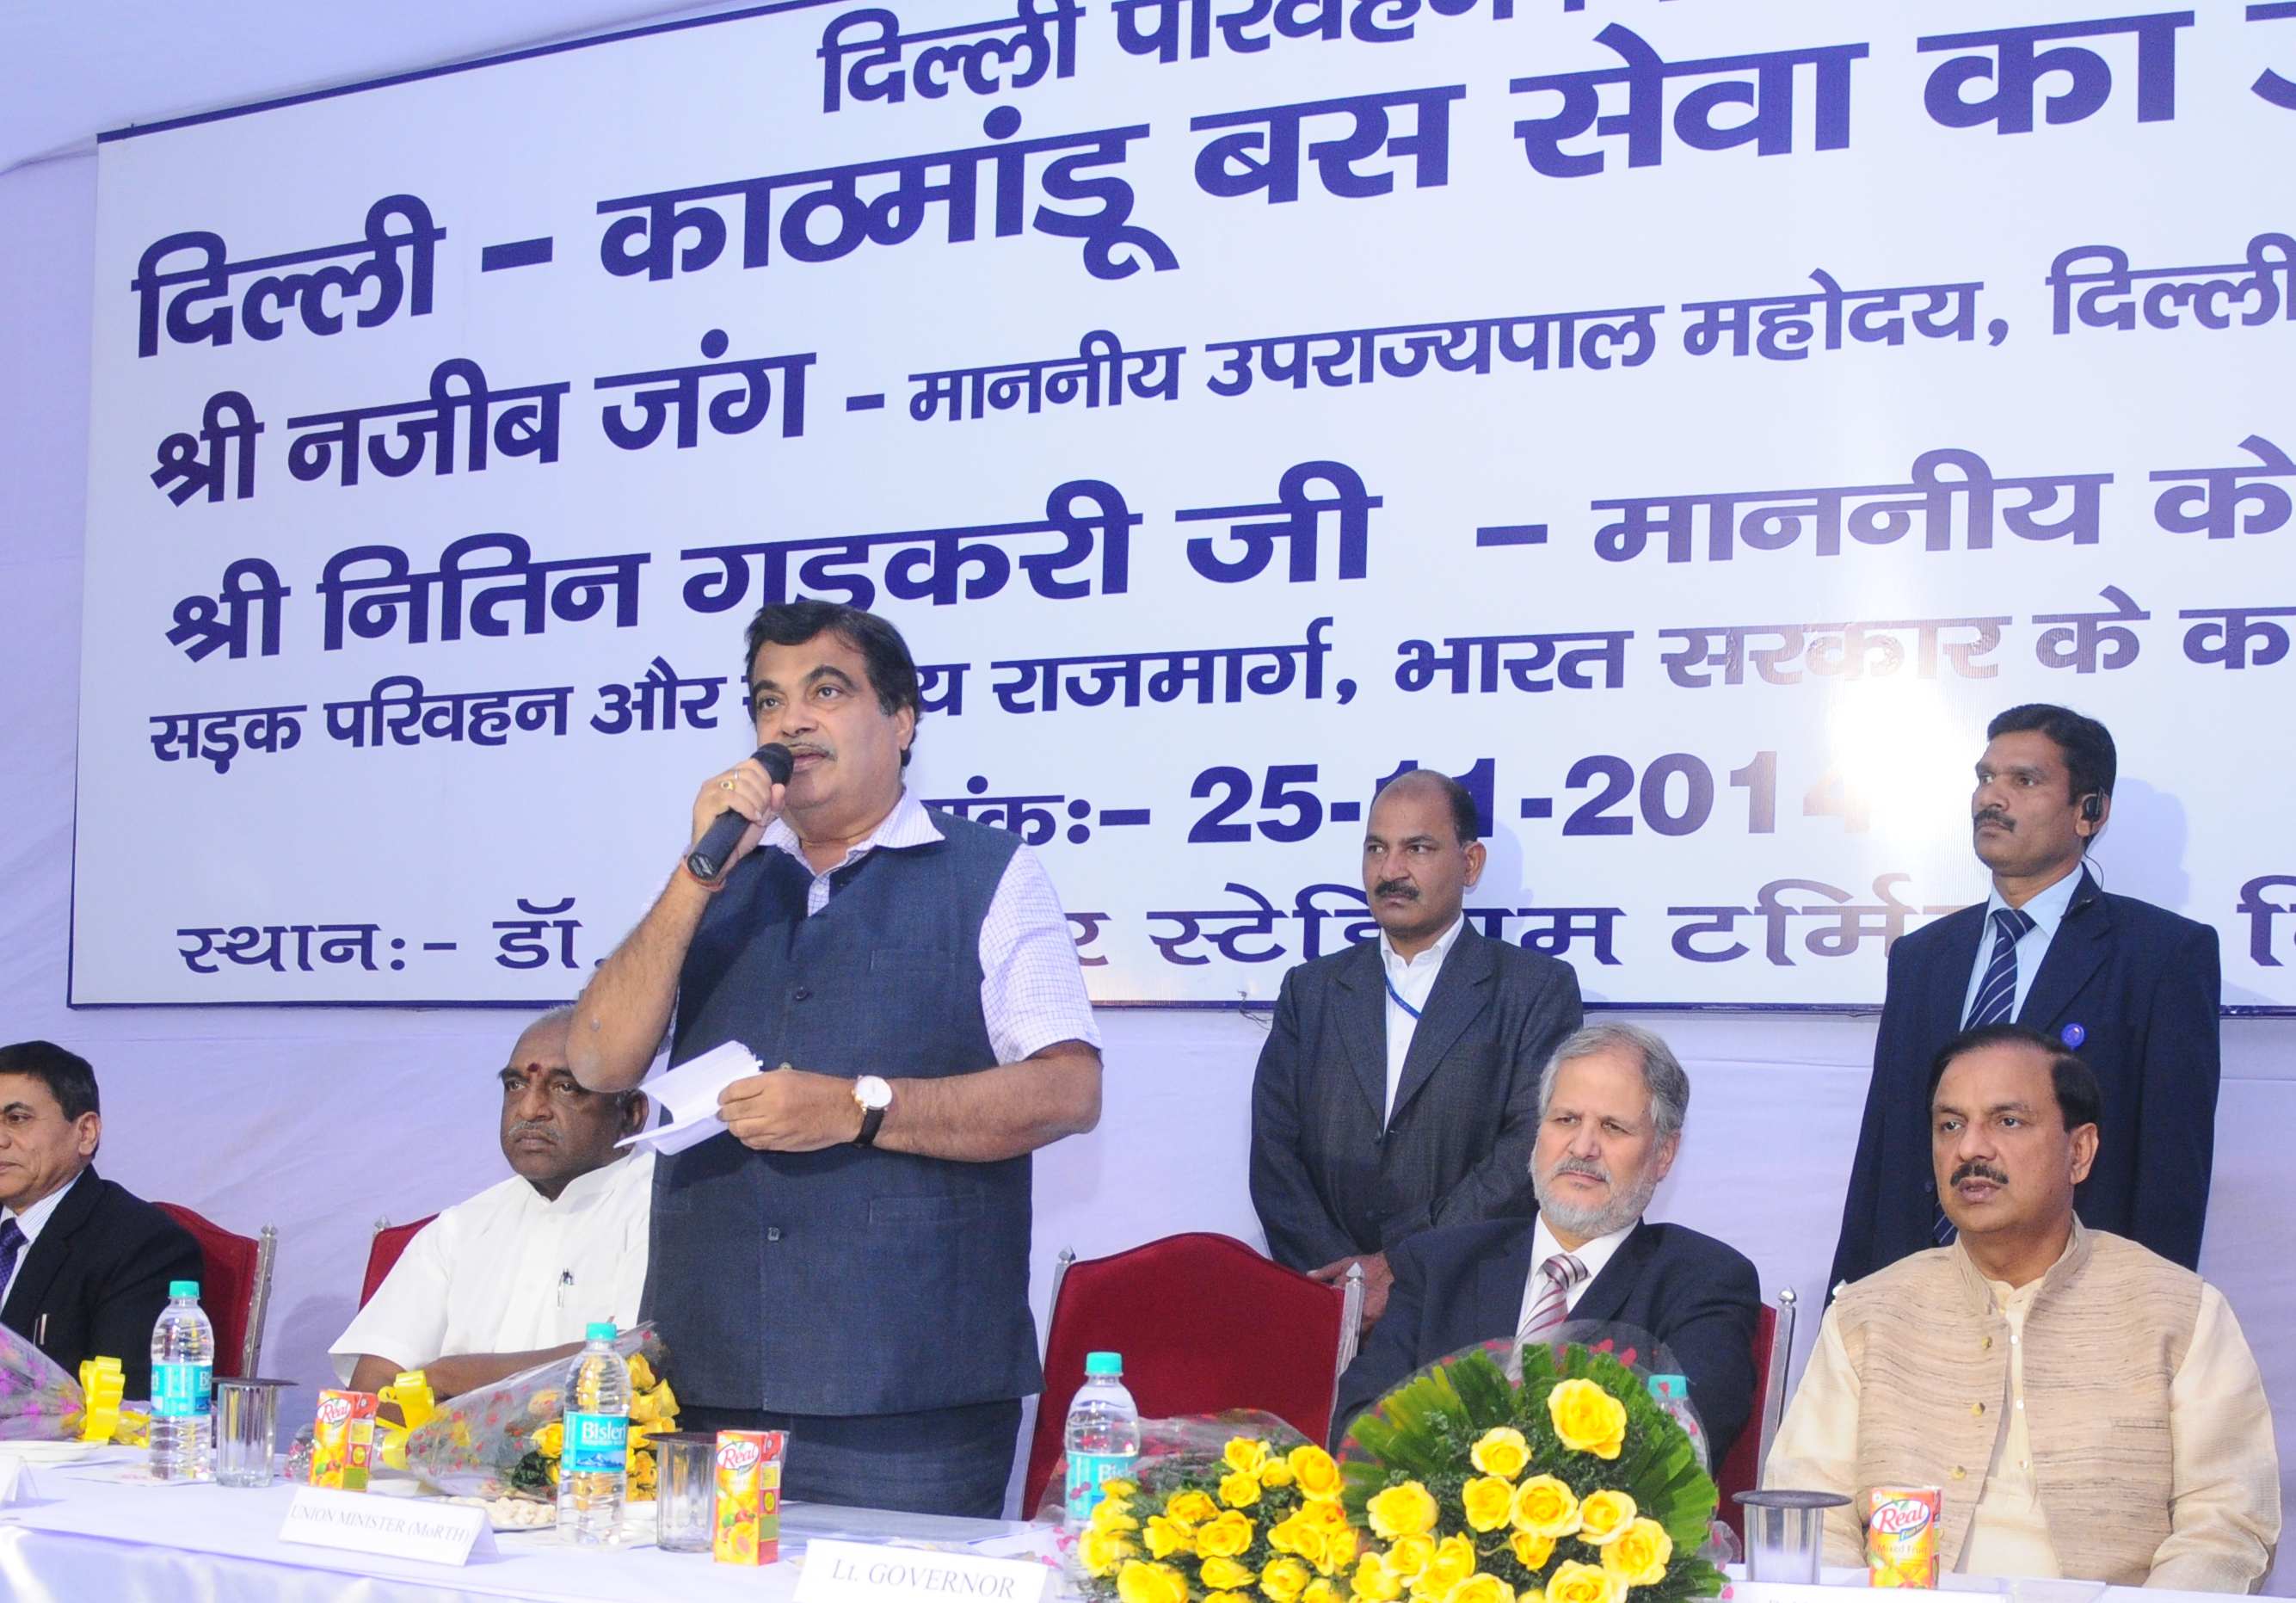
pixel 847 1281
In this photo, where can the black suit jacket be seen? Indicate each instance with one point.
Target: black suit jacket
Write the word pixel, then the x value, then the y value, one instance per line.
pixel 1330 1179
pixel 99 1273
pixel 1455 1287
pixel 2142 985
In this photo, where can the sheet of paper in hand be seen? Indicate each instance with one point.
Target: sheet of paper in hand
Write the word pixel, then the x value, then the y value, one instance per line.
pixel 687 1095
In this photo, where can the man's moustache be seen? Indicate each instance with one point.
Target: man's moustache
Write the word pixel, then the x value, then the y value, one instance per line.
pixel 533 1126
pixel 1593 1171
pixel 1974 1170
pixel 1395 887
pixel 2003 819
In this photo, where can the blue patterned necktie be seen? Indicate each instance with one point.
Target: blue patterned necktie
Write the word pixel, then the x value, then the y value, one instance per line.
pixel 1996 993
pixel 11 1242
pixel 1997 1001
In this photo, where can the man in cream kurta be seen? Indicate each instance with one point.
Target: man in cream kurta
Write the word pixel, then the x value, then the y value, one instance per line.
pixel 2089 1409
pixel 510 1277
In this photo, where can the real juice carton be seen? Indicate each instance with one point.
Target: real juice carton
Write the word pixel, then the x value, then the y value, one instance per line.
pixel 748 1496
pixel 342 1440
pixel 1901 1534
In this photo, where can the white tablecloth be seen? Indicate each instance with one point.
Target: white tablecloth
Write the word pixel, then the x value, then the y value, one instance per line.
pixel 1956 1588
pixel 86 1539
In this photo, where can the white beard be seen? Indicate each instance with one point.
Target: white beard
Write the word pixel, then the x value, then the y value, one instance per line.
pixel 1622 1211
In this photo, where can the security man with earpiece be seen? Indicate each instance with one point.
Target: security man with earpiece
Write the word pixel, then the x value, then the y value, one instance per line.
pixel 2131 988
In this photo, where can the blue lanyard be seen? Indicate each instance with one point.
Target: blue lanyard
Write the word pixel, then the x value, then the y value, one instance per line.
pixel 1395 994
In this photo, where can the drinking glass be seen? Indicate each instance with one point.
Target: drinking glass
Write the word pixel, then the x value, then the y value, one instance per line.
pixel 1786 1534
pixel 685 1491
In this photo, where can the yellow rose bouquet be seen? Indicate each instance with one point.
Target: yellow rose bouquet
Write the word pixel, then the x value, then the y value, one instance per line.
pixel 653 1411
pixel 504 1440
pixel 1261 1523
pixel 1570 1486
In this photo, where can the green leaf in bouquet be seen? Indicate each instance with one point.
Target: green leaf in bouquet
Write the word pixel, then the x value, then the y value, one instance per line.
pixel 1693 1576
pixel 531 1478
pixel 1669 1486
pixel 1422 1428
pixel 1486 1395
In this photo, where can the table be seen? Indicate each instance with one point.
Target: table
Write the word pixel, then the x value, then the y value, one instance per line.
pixel 85 1538
pixel 1956 1588
pixel 88 1538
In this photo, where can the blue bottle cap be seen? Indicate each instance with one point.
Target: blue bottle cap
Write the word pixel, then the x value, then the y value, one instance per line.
pixel 599 1330
pixel 182 1288
pixel 1104 1363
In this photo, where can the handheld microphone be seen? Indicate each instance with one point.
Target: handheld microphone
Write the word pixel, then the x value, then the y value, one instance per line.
pixel 708 859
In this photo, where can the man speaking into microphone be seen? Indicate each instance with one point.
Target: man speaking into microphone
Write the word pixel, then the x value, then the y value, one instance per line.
pixel 849 1263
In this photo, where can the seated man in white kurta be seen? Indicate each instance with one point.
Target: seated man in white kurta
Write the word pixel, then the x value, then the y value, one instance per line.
pixel 509 1279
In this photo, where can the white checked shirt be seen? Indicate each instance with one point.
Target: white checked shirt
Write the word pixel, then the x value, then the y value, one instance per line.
pixel 2047 908
pixel 1031 989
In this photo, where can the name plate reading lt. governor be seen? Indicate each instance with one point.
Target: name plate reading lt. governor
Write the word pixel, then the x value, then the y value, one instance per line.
pixel 856 1572
pixel 357 1522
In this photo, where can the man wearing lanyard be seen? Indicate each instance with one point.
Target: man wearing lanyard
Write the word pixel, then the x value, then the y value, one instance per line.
pixel 1399 1087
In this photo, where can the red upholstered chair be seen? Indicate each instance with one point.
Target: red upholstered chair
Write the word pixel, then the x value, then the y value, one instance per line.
pixel 1742 1471
pixel 234 1287
pixel 389 1241
pixel 1205 1324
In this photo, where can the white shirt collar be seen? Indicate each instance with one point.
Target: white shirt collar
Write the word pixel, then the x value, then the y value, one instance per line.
pixel 1594 1254
pixel 1427 961
pixel 2047 908
pixel 583 1189
pixel 33 1218
pixel 908 824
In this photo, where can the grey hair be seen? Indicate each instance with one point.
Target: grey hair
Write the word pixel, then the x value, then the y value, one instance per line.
pixel 1663 1075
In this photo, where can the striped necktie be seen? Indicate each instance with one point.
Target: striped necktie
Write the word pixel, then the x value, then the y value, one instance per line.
pixel 11 1242
pixel 1996 993
pixel 1560 1273
pixel 1997 1001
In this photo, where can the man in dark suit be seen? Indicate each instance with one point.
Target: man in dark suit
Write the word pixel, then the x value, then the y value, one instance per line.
pixel 83 1264
pixel 2130 987
pixel 1394 1091
pixel 1610 1105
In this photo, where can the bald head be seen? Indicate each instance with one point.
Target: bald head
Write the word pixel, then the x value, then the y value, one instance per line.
pixel 553 1130
pixel 546 1037
pixel 1431 785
